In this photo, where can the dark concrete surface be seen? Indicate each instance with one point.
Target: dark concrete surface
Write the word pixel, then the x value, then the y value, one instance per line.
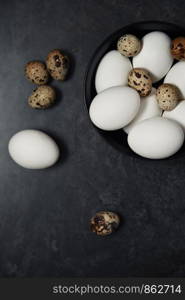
pixel 44 214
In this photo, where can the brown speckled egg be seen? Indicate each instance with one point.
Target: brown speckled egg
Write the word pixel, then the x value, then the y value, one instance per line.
pixel 168 96
pixel 140 80
pixel 178 48
pixel 57 64
pixel 104 223
pixel 36 72
pixel 129 45
pixel 42 97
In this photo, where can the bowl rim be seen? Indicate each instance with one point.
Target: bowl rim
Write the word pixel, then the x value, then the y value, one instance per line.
pixel 110 36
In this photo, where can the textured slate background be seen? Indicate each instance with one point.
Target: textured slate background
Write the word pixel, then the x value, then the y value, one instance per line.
pixel 44 214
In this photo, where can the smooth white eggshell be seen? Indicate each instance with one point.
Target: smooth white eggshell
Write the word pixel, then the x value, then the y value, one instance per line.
pixel 177 114
pixel 176 76
pixel 33 149
pixel 112 70
pixel 156 138
pixel 149 108
pixel 155 55
pixel 114 108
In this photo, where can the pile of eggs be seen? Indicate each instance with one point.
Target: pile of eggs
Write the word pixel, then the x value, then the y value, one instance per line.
pixel 127 97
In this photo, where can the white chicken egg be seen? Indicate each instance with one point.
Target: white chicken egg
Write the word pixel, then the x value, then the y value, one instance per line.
pixel 155 55
pixel 112 70
pixel 176 76
pixel 33 149
pixel 156 138
pixel 149 108
pixel 177 114
pixel 114 108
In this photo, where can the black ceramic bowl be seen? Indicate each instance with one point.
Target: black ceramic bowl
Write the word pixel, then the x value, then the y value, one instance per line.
pixel 118 138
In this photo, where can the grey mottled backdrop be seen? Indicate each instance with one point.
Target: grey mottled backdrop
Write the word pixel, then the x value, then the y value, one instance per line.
pixel 44 214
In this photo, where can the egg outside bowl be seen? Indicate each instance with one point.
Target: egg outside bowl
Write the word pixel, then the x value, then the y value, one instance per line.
pixel 118 139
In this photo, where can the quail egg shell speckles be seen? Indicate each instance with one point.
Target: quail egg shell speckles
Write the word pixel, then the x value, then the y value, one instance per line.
pixel 36 72
pixel 112 70
pixel 178 48
pixel 140 80
pixel 104 223
pixel 114 108
pixel 129 45
pixel 57 64
pixel 155 55
pixel 42 97
pixel 168 96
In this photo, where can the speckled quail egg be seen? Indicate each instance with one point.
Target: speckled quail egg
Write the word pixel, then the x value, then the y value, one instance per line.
pixel 168 96
pixel 42 97
pixel 104 223
pixel 129 45
pixel 36 72
pixel 140 80
pixel 178 48
pixel 57 64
